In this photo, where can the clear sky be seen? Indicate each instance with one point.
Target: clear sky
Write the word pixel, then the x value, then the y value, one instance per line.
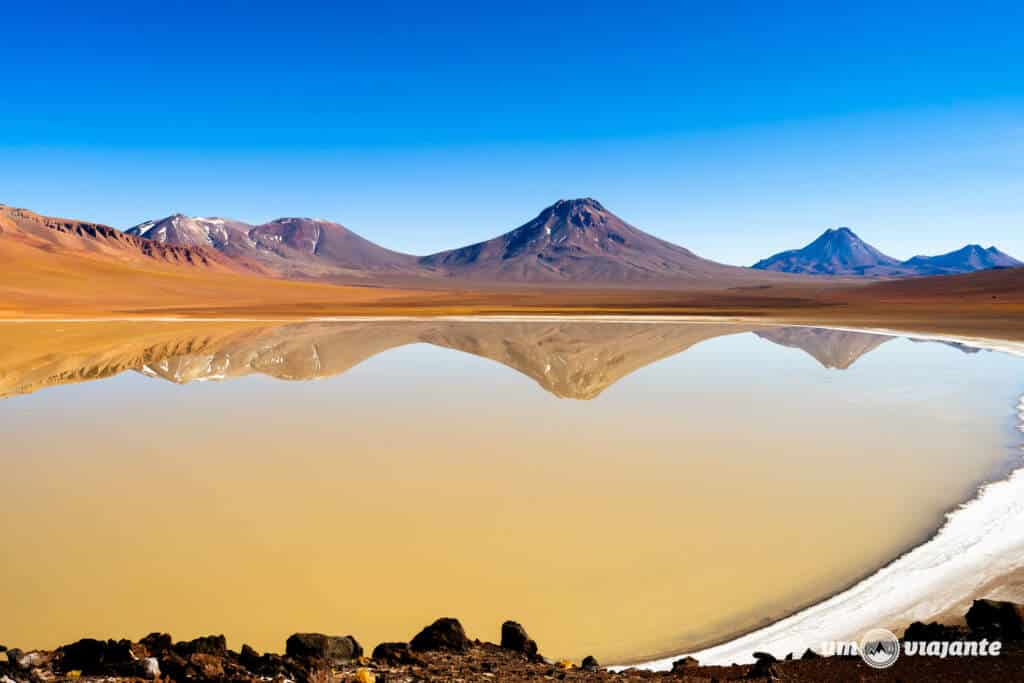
pixel 735 129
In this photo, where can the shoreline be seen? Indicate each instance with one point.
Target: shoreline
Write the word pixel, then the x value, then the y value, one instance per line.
pixel 443 651
pixel 985 342
pixel 999 495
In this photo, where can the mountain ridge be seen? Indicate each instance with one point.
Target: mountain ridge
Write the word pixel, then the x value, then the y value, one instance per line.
pixel 578 240
pixel 29 229
pixel 287 246
pixel 840 251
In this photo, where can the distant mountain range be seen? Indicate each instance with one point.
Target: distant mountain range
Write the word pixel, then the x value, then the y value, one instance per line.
pixel 839 251
pixel 575 242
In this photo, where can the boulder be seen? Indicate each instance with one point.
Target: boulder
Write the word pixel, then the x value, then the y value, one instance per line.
pixel 809 654
pixel 249 657
pixel 91 656
pixel 333 649
pixel 764 668
pixel 268 665
pixel 205 667
pixel 765 656
pixel 920 632
pixel 206 645
pixel 394 654
pixel 444 634
pixel 589 663
pixel 994 619
pixel 514 637
pixel 173 665
pixel 157 643
pixel 685 663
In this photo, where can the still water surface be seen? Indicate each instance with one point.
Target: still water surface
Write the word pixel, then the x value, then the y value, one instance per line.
pixel 622 489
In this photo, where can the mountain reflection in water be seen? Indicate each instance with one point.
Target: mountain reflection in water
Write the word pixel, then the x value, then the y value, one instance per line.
pixel 570 359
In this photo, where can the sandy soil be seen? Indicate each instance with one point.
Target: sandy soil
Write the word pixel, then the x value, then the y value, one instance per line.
pixel 989 304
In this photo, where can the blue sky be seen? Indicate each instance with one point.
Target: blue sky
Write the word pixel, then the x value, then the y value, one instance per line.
pixel 738 129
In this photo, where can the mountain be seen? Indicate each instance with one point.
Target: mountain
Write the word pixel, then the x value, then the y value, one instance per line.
pixel 574 241
pixel 968 259
pixel 61 266
pixel 287 247
pixel 838 251
pixel 182 230
pixel 578 240
pixel 34 236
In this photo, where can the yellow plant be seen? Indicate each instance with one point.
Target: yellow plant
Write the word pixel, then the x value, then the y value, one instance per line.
pixel 364 676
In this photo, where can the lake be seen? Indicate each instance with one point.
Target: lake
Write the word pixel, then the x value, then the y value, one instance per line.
pixel 623 489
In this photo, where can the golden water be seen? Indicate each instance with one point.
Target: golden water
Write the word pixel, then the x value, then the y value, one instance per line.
pixel 622 489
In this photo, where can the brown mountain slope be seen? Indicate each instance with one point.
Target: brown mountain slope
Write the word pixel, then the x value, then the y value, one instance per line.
pixel 71 237
pixel 288 247
pixel 581 242
pixel 54 266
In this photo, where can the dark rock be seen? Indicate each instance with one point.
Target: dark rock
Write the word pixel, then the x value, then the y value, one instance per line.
pixel 205 667
pixel 514 637
pixel 249 657
pixel 268 664
pixel 395 653
pixel 85 655
pixel 206 645
pixel 685 663
pixel 764 668
pixel 920 632
pixel 765 656
pixel 91 656
pixel 333 649
pixel 810 654
pixel 172 665
pixel 444 634
pixel 14 656
pixel 789 657
pixel 3 648
pixel 589 663
pixel 157 644
pixel 996 619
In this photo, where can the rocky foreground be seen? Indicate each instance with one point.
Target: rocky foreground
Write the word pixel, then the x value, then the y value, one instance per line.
pixel 443 652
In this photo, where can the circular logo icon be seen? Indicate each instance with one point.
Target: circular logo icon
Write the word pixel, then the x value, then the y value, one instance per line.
pixel 879 648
